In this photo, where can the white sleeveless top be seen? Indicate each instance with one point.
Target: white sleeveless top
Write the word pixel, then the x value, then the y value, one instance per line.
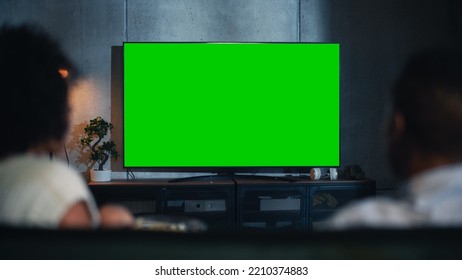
pixel 38 192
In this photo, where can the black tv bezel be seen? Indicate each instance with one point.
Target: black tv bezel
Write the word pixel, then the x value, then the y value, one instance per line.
pixel 220 169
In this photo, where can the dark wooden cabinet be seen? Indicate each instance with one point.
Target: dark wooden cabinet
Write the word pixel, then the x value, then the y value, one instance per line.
pixel 237 204
pixel 304 204
pixel 212 202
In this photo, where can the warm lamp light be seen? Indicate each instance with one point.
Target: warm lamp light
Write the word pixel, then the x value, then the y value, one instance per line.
pixel 63 72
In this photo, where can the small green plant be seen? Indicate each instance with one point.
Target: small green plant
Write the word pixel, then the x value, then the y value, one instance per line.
pixel 94 133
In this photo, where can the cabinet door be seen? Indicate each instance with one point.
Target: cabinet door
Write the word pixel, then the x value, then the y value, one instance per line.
pixel 139 200
pixel 326 200
pixel 213 205
pixel 272 207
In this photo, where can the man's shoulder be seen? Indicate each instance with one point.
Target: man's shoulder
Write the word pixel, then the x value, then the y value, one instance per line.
pixel 375 212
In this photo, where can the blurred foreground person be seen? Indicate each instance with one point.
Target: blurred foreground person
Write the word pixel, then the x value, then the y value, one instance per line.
pixel 34 190
pixel 425 149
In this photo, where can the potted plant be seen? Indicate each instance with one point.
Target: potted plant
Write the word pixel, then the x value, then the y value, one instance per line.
pixel 100 152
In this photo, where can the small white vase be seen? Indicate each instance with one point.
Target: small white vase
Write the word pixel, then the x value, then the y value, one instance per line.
pixel 100 175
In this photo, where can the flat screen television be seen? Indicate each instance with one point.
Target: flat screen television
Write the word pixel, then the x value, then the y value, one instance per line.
pixel 231 105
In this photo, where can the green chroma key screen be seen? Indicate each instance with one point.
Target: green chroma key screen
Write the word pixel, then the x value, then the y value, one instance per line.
pixel 231 105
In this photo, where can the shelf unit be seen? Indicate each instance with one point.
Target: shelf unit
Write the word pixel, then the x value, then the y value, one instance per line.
pixel 237 204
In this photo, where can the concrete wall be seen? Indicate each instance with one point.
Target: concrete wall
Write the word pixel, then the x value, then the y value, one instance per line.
pixel 212 20
pixel 86 31
pixel 376 36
